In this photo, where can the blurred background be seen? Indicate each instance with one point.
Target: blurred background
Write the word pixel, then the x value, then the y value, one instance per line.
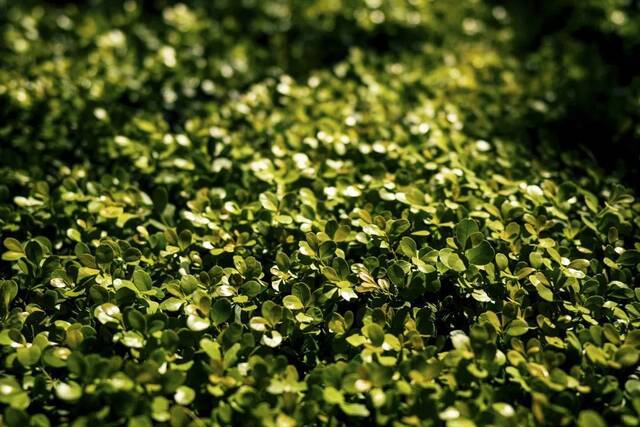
pixel 576 62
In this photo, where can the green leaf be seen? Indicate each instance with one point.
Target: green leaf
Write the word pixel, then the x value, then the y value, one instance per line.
pixel 12 394
pixel 481 254
pixel 356 340
pixel 502 261
pixel 292 302
pixel 627 356
pixel 408 247
pixel 453 261
pixel 104 254
pixel 396 274
pixel 132 339
pixel 197 323
pixel 342 233
pixel 464 229
pixel 544 292
pixel 517 327
pixel 69 391
pixel 8 292
pixel 189 284
pixel 184 395
pixel 375 333
pixel 111 212
pixel 107 312
pixel 34 252
pixel 272 339
pixel 28 356
pixel 629 257
pixel 397 227
pixel 221 311
pixel 326 249
pixel 185 239
pixel 136 320
pixel 354 409
pixel 142 280
pixel 272 312
pixel 258 323
pixel 74 235
pixel 332 396
pixel 140 421
pixel 251 288
pixel 596 354
pixel 131 255
pixel 590 418
pixel 269 201
pixel 283 261
pixel 12 256
pixel 13 245
pixel 160 199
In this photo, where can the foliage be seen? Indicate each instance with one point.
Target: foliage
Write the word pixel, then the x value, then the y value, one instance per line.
pixel 584 57
pixel 206 223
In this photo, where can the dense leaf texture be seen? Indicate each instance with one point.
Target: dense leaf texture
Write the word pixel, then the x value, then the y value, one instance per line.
pixel 305 213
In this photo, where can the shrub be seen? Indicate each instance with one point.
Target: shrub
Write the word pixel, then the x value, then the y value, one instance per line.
pixel 206 223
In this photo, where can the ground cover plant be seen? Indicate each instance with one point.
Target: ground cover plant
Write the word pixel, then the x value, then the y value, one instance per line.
pixel 300 213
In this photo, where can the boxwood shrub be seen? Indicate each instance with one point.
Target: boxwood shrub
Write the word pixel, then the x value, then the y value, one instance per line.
pixel 305 213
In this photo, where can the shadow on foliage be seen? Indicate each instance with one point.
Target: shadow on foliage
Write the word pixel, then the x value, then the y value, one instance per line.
pixel 587 55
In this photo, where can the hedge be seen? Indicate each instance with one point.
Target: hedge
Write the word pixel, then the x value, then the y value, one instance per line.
pixel 301 213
